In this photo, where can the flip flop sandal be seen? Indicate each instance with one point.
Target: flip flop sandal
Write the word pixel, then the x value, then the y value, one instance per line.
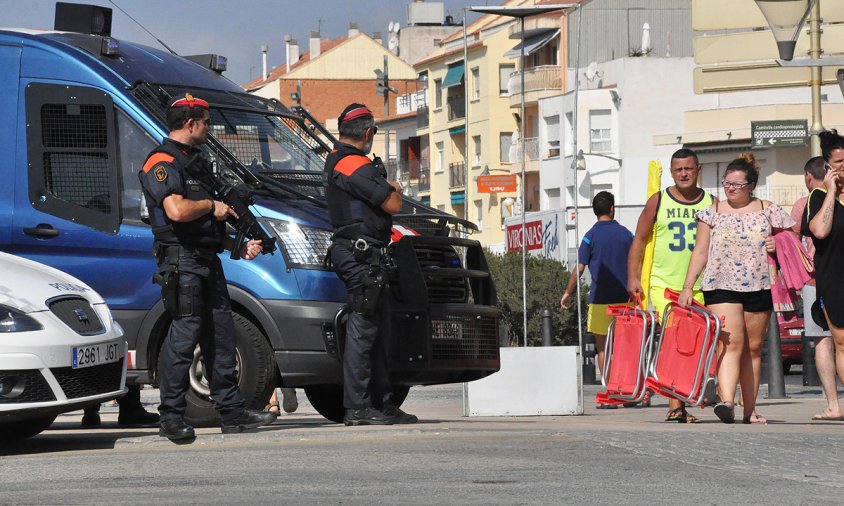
pixel 754 419
pixel 680 415
pixel 827 417
pixel 725 412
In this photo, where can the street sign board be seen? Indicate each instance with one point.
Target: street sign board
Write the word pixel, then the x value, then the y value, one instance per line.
pixel 780 133
pixel 497 183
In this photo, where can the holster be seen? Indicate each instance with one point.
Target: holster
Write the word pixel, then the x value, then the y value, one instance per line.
pixel 167 258
pixel 365 298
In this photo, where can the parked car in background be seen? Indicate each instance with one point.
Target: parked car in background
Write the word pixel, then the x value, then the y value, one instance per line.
pixel 60 349
pixel 791 335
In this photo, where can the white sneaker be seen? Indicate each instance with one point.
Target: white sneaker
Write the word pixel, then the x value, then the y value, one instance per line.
pixel 290 403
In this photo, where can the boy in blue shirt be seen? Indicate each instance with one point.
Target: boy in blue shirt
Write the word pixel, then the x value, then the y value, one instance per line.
pixel 604 250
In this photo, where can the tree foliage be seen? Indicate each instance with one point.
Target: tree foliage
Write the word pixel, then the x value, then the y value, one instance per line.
pixel 546 281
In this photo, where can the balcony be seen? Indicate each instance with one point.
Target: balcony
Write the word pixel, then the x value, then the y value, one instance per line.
pixel 422 117
pixel 540 82
pixel 535 25
pixel 410 102
pixel 456 107
pixel 456 175
pixel 424 179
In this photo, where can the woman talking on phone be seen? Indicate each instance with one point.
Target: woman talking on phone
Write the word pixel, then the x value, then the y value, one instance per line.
pixel 824 223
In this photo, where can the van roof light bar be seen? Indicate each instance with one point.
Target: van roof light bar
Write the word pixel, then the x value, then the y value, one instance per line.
pixel 215 62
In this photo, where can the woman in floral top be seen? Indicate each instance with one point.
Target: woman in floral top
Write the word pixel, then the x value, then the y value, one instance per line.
pixel 733 240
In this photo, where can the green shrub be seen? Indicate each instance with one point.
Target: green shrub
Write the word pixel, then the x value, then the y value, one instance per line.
pixel 546 281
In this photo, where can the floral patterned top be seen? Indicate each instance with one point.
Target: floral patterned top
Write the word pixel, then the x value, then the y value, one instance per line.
pixel 737 258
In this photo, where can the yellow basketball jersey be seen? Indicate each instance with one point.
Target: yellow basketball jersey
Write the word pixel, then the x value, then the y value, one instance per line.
pixel 676 231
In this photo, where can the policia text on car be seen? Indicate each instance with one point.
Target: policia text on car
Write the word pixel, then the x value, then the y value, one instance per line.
pixel 361 203
pixel 188 223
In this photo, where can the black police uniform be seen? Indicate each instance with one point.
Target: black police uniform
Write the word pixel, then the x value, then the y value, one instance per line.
pixel 202 310
pixel 355 190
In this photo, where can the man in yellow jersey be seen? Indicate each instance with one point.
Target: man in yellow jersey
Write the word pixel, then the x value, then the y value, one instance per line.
pixel 671 212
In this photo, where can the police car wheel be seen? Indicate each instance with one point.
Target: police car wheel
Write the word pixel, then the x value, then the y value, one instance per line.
pixel 256 368
pixel 327 400
pixel 22 429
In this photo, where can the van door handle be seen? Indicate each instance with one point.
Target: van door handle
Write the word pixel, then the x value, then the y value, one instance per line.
pixel 42 230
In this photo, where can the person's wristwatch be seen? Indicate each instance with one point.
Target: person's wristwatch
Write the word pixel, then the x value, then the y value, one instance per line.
pixel 211 212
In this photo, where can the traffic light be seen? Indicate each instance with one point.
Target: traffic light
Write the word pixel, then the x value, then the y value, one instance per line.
pixel 381 83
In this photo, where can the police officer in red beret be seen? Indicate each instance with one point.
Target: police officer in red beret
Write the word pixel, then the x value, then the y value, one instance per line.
pixel 188 224
pixel 361 203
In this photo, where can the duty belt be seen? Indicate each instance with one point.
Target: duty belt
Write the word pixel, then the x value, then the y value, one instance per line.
pixel 175 251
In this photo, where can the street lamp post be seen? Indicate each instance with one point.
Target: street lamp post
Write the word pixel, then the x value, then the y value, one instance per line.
pixel 521 12
pixel 786 19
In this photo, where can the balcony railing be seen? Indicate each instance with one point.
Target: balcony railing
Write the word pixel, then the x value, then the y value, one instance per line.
pixel 422 117
pixel 424 178
pixel 456 107
pixel 545 77
pixel 456 175
pixel 410 102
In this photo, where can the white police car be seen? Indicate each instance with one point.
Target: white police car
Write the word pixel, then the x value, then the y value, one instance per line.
pixel 60 349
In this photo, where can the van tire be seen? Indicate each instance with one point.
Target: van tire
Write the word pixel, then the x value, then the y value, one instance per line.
pixel 327 400
pixel 22 429
pixel 257 371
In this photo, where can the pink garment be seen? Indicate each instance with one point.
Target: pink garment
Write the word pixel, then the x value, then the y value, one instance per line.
pixel 793 259
pixel 783 297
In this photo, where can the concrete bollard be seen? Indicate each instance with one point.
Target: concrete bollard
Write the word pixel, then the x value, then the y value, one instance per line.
pixel 810 370
pixel 776 380
pixel 589 352
pixel 547 327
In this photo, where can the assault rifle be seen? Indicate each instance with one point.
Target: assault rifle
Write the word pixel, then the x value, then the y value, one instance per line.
pixel 239 198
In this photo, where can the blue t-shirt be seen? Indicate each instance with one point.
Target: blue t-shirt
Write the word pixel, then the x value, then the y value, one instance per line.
pixel 604 250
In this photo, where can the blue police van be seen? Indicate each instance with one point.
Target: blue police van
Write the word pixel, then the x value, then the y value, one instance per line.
pixel 80 111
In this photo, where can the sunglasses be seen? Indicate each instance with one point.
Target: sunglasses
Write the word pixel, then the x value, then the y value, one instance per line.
pixel 730 184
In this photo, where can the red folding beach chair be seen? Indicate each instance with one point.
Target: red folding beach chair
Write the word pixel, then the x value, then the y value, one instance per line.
pixel 628 352
pixel 685 363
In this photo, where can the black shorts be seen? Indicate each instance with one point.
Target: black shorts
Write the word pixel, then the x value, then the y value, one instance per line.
pixel 753 302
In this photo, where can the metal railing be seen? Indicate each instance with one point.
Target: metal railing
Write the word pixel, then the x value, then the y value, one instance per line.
pixel 456 107
pixel 544 77
pixel 422 117
pixel 456 175
pixel 424 179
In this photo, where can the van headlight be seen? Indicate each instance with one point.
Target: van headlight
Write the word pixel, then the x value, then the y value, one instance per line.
pixel 12 320
pixel 303 246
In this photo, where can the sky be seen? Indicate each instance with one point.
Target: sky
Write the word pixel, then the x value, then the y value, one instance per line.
pixel 234 28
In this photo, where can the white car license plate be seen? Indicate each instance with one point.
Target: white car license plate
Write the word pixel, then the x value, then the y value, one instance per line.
pixel 795 332
pixel 95 354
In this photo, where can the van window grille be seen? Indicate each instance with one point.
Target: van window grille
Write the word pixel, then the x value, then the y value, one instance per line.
pixel 74 126
pixel 79 178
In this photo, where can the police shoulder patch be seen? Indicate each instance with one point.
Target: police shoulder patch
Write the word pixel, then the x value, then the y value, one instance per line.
pixel 160 173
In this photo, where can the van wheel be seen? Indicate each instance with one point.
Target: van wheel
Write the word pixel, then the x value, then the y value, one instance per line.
pixel 328 399
pixel 22 429
pixel 256 370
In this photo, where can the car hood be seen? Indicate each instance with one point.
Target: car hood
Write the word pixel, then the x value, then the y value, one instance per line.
pixel 27 286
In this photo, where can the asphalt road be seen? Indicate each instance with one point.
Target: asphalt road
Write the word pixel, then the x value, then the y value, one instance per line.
pixel 624 456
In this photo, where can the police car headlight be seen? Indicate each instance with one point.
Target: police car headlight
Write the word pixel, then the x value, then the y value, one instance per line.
pixel 12 320
pixel 303 246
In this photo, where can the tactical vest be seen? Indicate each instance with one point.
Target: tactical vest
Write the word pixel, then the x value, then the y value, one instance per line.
pixel 351 216
pixel 204 231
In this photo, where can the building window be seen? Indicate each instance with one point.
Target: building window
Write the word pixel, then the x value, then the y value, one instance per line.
pixel 477 140
pixel 476 83
pixel 479 212
pixel 440 157
pixel 600 131
pixel 553 196
pixel 504 72
pixel 504 150
pixel 552 136
pixel 554 55
pixel 438 93
pixel 569 134
pixel 597 188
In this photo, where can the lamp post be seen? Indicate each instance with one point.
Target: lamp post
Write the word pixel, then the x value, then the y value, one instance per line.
pixel 520 13
pixel 786 19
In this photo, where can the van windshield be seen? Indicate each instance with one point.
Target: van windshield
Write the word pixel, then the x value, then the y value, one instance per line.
pixel 260 135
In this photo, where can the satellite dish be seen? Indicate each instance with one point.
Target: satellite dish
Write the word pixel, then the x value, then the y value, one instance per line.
pixel 396 26
pixel 390 27
pixel 591 70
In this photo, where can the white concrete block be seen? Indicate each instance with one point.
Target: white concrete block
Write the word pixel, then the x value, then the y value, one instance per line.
pixel 532 381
